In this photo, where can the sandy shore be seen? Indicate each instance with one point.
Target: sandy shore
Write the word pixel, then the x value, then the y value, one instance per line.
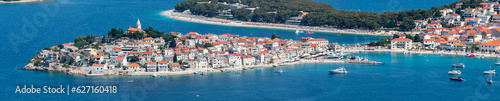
pixel 216 21
pixel 22 1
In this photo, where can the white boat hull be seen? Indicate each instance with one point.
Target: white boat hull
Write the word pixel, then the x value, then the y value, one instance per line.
pixel 337 72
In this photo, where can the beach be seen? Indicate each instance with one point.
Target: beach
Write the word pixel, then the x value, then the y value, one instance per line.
pixel 216 21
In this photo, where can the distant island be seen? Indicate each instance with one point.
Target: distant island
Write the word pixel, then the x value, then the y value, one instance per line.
pixel 311 13
pixel 20 1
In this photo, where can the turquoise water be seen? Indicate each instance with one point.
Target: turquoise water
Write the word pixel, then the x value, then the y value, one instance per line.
pixel 28 28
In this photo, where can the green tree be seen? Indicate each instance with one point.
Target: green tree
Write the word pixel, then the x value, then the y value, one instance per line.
pixel 395 36
pixel 60 46
pixel 206 45
pixel 416 38
pixel 407 25
pixel 38 63
pixel 133 58
pixel 275 36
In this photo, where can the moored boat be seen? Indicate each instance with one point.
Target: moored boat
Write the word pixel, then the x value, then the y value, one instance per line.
pixel 458 65
pixel 454 72
pixel 340 70
pixel 280 71
pixel 457 79
pixel 491 71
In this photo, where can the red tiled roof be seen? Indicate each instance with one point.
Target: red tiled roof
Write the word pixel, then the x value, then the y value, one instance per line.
pixel 401 39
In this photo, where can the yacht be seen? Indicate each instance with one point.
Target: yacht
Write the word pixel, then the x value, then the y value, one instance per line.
pixel 454 72
pixel 457 79
pixel 340 70
pixel 458 65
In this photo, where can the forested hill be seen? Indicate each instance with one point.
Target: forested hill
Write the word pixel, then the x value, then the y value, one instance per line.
pixel 320 14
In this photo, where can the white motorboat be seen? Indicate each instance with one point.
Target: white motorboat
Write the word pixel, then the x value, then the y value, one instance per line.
pixel 491 71
pixel 497 64
pixel 458 65
pixel 280 71
pixel 489 81
pixel 299 32
pixel 454 72
pixel 340 70
pixel 154 75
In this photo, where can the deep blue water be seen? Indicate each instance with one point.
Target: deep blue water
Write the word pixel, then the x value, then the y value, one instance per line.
pixel 385 5
pixel 28 28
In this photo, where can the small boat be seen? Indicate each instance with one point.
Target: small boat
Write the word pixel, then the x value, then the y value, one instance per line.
pixel 497 64
pixel 309 32
pixel 340 70
pixel 275 65
pixel 471 56
pixel 458 65
pixel 491 71
pixel 280 71
pixel 154 75
pixel 299 32
pixel 454 72
pixel 489 81
pixel 131 81
pixel 244 68
pixel 457 79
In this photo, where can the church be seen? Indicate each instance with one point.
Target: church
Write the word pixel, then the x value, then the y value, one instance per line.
pixel 136 28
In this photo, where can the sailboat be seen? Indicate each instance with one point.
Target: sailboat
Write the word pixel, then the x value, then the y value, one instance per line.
pixel 497 62
pixel 458 65
pixel 489 80
pixel 491 71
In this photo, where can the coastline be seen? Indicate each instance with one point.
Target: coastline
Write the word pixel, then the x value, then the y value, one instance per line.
pixel 76 72
pixel 215 21
pixel 22 1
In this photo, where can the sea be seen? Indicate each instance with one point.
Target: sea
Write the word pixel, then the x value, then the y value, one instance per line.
pixel 28 28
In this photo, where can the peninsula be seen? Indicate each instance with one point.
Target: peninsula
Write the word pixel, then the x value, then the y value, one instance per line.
pixel 138 52
pixel 303 16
